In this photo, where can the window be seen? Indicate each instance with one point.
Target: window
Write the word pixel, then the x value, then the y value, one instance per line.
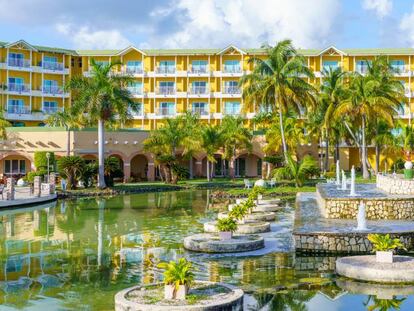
pixel 134 66
pixel 199 87
pixel 232 108
pixel 362 66
pixel 102 62
pixel 50 107
pixel 135 88
pixel 138 111
pixel 199 108
pixel 166 87
pixel 166 109
pixel 17 60
pixel 232 66
pixel 398 65
pixel 199 66
pixel 166 66
pixel 51 87
pixel 16 106
pixel 80 62
pixel 17 124
pixel 330 65
pixel 15 166
pixel 231 87
pixel 17 85
pixel 259 167
pixel 51 63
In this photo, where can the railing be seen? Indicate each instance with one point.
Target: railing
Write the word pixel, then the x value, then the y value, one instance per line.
pixel 19 109
pixel 55 66
pixel 400 68
pixel 134 70
pixel 18 87
pixel 200 111
pixel 166 90
pixel 135 90
pixel 232 69
pixel 19 62
pixel 231 90
pixel 362 69
pixel 197 90
pixel 166 69
pixel 54 90
pixel 198 69
pixel 51 110
pixel 136 113
pixel 166 111
pixel 407 91
pixel 232 111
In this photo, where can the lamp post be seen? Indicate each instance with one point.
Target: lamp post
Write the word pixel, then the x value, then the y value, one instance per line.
pixel 48 167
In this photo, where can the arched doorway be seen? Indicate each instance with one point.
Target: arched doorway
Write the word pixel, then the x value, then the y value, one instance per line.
pixel 89 158
pixel 119 176
pixel 139 168
pixel 15 165
pixel 248 165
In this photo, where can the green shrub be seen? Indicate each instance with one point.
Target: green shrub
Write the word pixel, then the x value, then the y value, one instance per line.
pixel 226 225
pixel 180 171
pixel 178 272
pixel 31 175
pixel 112 170
pixel 88 173
pixel 276 160
pixel 40 160
pixel 239 211
pixel 383 242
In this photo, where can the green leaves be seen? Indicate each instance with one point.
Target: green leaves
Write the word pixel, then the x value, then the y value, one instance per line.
pixel 226 224
pixel 383 242
pixel 178 273
pixel 297 170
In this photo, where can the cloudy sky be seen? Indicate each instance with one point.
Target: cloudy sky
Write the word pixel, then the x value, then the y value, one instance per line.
pixel 87 24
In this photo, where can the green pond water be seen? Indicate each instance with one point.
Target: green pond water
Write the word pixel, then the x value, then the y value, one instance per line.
pixel 75 255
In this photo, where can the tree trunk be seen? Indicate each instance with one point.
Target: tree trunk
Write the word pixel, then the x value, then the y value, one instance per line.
pixel 211 170
pixel 101 154
pixel 377 158
pixel 282 134
pixel 365 173
pixel 208 171
pixel 336 151
pixel 327 152
pixel 68 142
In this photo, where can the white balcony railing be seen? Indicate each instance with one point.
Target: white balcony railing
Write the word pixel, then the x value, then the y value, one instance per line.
pixel 232 69
pixel 399 69
pixel 55 66
pixel 134 70
pixel 51 110
pixel 199 90
pixel 53 90
pixel 232 90
pixel 199 69
pixel 136 113
pixel 135 90
pixel 200 111
pixel 19 87
pixel 232 111
pixel 362 69
pixel 166 90
pixel 19 109
pixel 166 70
pixel 166 111
pixel 19 62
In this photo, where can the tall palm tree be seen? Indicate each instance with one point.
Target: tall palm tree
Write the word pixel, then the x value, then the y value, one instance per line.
pixel 192 140
pixel 211 138
pixel 68 120
pixel 372 97
pixel 3 125
pixel 235 136
pixel 278 82
pixel 103 98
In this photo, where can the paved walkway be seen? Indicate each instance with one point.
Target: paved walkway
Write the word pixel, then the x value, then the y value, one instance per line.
pixel 23 197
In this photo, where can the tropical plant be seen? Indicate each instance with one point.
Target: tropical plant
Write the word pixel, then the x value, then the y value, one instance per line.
pixel 384 243
pixel 178 273
pixel 239 211
pixel 71 168
pixel 3 125
pixel 235 136
pixel 298 171
pixel 112 169
pixel 106 99
pixel 41 161
pixel 88 173
pixel 211 138
pixel 384 304
pixel 256 191
pixel 277 82
pixel 227 224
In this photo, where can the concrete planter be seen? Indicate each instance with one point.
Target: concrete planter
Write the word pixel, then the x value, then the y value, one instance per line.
pixel 170 293
pixel 225 235
pixel 384 256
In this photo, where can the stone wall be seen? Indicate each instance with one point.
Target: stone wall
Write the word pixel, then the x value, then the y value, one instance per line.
pixel 395 184
pixel 343 243
pixel 375 208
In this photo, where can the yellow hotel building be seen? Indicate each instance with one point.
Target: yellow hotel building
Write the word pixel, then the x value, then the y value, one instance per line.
pixel 166 83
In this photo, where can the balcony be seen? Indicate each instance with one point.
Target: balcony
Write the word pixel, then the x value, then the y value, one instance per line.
pixel 19 62
pixel 199 70
pixel 231 90
pixel 199 90
pixel 53 66
pixel 232 112
pixel 401 70
pixel 135 90
pixel 232 69
pixel 166 70
pixel 134 70
pixel 407 92
pixel 139 113
pixel 166 90
pixel 51 110
pixel 362 69
pixel 403 112
pixel 52 90
pixel 19 88
pixel 19 110
pixel 166 111
pixel 202 112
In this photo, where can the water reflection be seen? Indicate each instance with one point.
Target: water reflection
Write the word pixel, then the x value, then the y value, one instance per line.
pixel 78 254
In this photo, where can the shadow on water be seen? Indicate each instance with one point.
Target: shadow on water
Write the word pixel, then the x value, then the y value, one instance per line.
pixel 76 254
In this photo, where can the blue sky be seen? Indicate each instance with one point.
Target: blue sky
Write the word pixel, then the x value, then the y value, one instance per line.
pixel 97 24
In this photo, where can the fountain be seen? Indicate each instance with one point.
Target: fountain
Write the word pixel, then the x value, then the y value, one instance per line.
pixel 361 218
pixel 352 193
pixel 343 180
pixel 338 182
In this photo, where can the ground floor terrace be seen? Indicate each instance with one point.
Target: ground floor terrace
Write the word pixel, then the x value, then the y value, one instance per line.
pixel 17 154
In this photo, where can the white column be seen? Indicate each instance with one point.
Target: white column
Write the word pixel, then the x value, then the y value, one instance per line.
pixel 209 88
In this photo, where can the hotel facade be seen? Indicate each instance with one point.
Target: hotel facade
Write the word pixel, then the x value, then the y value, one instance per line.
pixel 166 83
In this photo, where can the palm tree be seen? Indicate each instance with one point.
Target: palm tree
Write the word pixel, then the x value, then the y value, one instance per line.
pixel 3 125
pixel 68 120
pixel 71 167
pixel 297 170
pixel 211 138
pixel 372 97
pixel 278 82
pixel 105 98
pixel 192 141
pixel 235 136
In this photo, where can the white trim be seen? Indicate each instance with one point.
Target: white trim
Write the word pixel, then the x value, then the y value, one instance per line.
pixel 231 46
pixel 129 48
pixel 29 46
pixel 333 48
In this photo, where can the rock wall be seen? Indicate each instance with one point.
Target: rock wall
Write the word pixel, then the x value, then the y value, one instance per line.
pixel 375 208
pixel 342 243
pixel 395 184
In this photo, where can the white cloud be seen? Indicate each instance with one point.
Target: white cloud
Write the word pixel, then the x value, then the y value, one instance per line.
pixel 85 38
pixel 381 8
pixel 407 28
pixel 249 23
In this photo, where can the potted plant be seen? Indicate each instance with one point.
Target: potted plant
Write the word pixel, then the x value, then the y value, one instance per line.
pixel 226 227
pixel 178 277
pixel 238 212
pixel 384 246
pixel 257 193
